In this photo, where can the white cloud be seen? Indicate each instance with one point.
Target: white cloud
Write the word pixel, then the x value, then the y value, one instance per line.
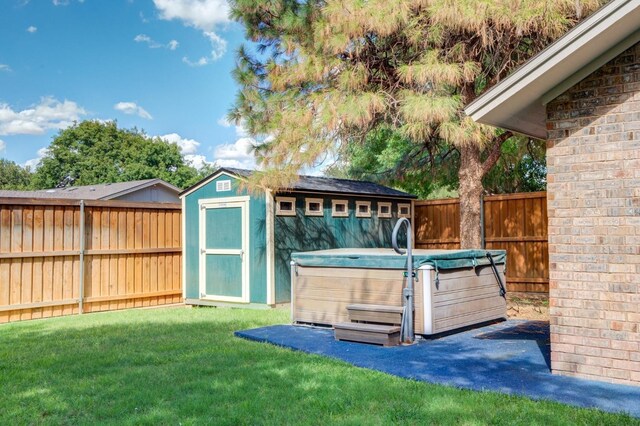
pixel 64 2
pixel 224 122
pixel 239 154
pixel 32 29
pixel 204 15
pixel 5 67
pixel 196 160
pixel 49 114
pixel 143 38
pixel 201 14
pixel 218 48
pixel 33 163
pixel 132 108
pixel 199 63
pixel 3 145
pixel 187 146
pixel 22 127
pixel 241 130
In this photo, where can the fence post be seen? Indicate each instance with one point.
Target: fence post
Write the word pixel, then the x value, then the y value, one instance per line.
pixel 482 235
pixel 82 249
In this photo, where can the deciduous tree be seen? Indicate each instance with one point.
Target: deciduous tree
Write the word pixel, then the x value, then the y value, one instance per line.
pixel 387 157
pixel 93 152
pixel 13 176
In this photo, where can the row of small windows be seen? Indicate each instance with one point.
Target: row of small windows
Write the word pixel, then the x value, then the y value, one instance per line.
pixel 286 206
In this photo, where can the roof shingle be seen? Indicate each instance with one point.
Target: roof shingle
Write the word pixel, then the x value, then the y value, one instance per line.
pixel 103 191
pixel 323 185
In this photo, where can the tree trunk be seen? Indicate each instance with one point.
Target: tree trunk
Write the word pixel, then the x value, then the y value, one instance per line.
pixel 470 174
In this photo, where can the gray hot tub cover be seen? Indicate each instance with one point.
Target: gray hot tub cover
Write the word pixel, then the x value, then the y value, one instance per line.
pixel 388 259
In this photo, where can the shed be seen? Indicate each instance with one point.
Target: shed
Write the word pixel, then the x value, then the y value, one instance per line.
pixel 582 94
pixel 237 245
pixel 141 191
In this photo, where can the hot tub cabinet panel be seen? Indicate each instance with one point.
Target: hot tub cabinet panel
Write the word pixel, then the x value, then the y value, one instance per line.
pixel 446 299
pixel 321 295
pixel 462 298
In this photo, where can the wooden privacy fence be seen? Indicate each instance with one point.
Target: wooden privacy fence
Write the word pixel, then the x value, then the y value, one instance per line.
pixel 516 223
pixel 62 257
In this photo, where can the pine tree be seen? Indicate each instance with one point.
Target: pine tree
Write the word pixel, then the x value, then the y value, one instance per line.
pixel 328 73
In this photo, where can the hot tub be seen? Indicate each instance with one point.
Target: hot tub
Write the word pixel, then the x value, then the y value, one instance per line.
pixel 453 288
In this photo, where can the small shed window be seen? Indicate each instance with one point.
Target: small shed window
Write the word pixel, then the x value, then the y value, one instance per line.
pixel 363 208
pixel 404 210
pixel 340 208
pixel 285 206
pixel 223 185
pixel 384 209
pixel 314 207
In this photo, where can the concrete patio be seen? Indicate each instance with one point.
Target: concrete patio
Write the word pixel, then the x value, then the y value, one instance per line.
pixel 511 357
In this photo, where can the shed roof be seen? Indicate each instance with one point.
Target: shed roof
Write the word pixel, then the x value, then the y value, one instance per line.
pixel 519 101
pixel 316 184
pixel 103 191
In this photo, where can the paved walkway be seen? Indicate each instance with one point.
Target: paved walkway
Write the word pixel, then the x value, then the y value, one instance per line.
pixel 510 357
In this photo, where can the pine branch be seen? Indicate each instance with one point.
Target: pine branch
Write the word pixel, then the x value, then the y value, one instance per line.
pixel 494 155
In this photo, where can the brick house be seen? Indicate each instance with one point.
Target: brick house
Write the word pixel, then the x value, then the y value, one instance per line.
pixel 582 94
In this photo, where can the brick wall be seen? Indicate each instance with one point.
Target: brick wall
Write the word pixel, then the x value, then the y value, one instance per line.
pixel 593 159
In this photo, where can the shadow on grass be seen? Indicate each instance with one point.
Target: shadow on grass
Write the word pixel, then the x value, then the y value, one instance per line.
pixel 513 367
pixel 185 366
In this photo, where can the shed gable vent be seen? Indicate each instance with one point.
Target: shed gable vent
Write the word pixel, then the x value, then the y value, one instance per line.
pixel 223 185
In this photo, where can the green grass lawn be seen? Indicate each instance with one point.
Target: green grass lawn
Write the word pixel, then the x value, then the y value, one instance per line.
pixel 184 366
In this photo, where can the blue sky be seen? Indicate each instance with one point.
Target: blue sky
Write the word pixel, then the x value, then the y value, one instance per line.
pixel 159 65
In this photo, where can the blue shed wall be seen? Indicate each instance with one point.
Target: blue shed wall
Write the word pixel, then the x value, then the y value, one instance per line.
pixel 307 233
pixel 257 240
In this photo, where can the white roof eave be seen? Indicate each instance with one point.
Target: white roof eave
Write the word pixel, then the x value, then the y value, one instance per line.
pixel 518 102
pixel 208 179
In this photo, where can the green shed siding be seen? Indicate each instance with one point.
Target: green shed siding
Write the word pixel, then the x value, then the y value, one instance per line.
pixel 307 233
pixel 257 238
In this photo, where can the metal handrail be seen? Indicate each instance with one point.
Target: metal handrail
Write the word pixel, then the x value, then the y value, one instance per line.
pixel 406 329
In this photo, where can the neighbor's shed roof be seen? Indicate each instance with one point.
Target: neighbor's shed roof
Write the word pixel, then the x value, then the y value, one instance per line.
pixel 316 184
pixel 519 101
pixel 104 191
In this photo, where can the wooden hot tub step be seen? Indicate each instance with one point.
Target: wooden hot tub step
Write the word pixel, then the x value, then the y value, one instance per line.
pixel 384 314
pixel 386 335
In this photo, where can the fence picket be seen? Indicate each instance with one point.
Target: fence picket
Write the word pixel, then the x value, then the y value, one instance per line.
pixel 516 223
pixel 40 244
